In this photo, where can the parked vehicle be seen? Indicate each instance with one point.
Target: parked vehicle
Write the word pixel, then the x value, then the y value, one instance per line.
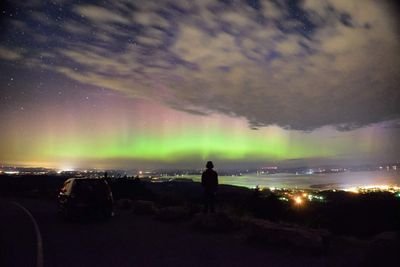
pixel 83 196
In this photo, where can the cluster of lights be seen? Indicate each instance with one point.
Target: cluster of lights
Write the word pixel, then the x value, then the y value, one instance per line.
pixel 373 188
pixel 315 197
pixel 11 172
pixel 301 199
pixel 298 198
pixel 68 169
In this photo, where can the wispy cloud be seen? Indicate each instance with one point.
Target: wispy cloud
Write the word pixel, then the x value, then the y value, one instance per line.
pixel 9 54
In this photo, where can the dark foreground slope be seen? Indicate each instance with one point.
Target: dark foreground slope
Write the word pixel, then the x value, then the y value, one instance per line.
pixel 132 240
pixel 344 213
pixel 162 224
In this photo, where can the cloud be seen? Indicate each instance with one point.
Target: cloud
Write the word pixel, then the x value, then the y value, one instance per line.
pixel 271 10
pixel 98 14
pixel 8 54
pixel 300 66
pixel 395 124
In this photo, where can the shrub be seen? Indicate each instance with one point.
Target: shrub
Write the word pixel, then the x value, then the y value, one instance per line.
pixel 143 207
pixel 173 214
pixel 215 222
pixel 124 204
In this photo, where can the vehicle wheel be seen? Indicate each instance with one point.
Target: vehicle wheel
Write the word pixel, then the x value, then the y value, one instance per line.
pixel 107 214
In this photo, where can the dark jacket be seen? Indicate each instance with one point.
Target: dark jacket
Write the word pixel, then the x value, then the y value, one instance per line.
pixel 209 180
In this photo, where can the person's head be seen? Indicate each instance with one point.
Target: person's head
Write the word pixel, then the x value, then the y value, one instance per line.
pixel 209 165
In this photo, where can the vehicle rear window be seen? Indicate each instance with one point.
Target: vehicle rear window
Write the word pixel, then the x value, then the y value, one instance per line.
pixel 86 187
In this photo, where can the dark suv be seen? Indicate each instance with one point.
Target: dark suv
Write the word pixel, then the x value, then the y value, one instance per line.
pixel 81 196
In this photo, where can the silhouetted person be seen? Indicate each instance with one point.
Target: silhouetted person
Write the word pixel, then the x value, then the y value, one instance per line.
pixel 256 193
pixel 209 181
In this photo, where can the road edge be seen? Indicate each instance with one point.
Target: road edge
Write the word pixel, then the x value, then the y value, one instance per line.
pixel 39 240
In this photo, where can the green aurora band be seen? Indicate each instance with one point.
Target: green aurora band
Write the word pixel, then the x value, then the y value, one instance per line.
pixel 188 144
pixel 117 138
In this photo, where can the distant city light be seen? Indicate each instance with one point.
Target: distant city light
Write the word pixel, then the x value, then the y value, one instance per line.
pixel 298 200
pixel 351 190
pixel 11 172
pixel 66 169
pixel 373 188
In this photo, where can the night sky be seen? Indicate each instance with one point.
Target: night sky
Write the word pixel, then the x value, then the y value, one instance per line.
pixel 128 84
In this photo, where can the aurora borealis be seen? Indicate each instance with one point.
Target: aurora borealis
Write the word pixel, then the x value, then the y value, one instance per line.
pixel 127 84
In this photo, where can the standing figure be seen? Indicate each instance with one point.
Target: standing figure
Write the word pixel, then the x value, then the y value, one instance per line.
pixel 209 181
